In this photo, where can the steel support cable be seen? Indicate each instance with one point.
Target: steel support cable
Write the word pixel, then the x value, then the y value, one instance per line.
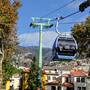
pixel 53 11
pixel 61 18
pixel 70 22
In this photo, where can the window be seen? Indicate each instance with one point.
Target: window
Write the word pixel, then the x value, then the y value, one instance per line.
pixel 83 88
pixel 54 78
pixel 78 79
pixel 83 79
pixel 56 71
pixel 67 79
pixel 78 88
pixel 59 88
pixel 49 71
pixel 53 88
pixel 48 77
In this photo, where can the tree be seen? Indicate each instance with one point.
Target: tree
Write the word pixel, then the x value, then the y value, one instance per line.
pixel 8 18
pixel 81 32
pixel 10 70
pixel 34 82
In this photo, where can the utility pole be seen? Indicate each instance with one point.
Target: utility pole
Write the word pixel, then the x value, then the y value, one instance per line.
pixel 42 23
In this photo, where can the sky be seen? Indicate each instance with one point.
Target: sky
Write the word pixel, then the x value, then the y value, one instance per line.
pixel 37 8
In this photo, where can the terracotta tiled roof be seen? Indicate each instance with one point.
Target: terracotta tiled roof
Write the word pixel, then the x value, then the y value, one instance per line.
pixel 52 74
pixel 77 72
pixel 59 78
pixel 43 72
pixel 53 83
pixel 26 70
pixel 67 84
pixel 66 75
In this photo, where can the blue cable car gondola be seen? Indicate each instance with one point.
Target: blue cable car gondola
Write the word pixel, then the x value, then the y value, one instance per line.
pixel 64 47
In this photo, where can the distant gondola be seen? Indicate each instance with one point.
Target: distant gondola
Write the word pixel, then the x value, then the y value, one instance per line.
pixel 64 47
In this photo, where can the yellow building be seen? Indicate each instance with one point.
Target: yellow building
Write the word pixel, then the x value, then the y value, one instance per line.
pixel 44 80
pixel 25 77
pixel 8 85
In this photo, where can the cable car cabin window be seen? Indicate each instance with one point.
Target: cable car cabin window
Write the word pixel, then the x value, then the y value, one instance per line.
pixel 66 53
pixel 66 42
pixel 66 47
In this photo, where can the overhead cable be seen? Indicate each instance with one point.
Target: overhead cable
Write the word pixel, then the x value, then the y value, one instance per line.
pixel 61 17
pixel 63 6
pixel 70 22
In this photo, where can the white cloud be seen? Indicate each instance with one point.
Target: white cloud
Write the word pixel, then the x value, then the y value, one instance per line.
pixel 32 39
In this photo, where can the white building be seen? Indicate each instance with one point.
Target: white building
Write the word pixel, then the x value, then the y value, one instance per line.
pixel 76 79
pixel 53 73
